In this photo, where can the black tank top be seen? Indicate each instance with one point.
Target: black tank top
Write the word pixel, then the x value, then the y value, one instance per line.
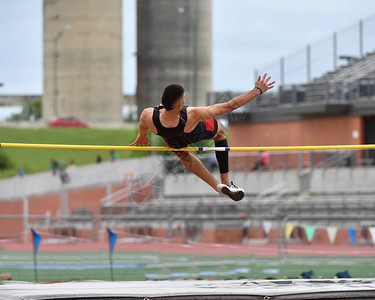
pixel 170 134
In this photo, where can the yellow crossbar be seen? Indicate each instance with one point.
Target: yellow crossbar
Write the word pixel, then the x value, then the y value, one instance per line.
pixel 153 148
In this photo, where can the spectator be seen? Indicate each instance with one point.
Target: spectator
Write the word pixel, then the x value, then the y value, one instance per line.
pixel 72 164
pixel 21 172
pixel 98 159
pixel 262 161
pixel 114 155
pixel 62 164
pixel 64 176
pixel 54 166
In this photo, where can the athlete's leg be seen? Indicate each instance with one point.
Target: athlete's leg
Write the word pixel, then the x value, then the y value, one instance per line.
pixel 226 187
pixel 220 139
pixel 192 163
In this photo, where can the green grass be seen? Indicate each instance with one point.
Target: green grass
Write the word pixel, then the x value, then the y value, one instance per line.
pixel 38 160
pixel 166 264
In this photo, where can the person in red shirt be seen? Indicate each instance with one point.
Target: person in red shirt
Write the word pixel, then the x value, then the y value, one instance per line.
pixel 263 160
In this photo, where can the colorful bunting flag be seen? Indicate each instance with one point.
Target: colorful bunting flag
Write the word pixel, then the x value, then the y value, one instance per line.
pixel 112 239
pixel 310 230
pixel 352 235
pixel 288 230
pixel 267 227
pixel 332 231
pixel 36 240
pixel 372 233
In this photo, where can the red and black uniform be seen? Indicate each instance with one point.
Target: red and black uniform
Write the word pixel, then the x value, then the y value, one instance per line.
pixel 175 137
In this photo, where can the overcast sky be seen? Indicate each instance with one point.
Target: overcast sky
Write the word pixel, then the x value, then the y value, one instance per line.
pixel 247 35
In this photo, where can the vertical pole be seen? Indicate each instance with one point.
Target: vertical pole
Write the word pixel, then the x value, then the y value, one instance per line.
pixel 55 76
pixel 25 219
pixel 64 200
pixel 300 161
pixel 285 240
pixel 308 62
pixel 195 53
pixel 110 253
pixel 280 236
pixel 55 85
pixel 294 94
pixel 34 255
pixel 335 51
pixel 282 80
pixel 361 38
pixel 110 262
pixel 35 271
pixel 109 200
pixel 282 71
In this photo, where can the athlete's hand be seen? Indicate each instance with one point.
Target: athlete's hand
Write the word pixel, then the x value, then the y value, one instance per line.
pixel 141 140
pixel 263 84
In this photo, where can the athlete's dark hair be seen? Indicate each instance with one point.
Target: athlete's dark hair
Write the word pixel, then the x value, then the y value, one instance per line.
pixel 171 94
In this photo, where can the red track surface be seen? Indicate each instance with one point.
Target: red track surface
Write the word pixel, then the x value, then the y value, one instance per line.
pixel 202 249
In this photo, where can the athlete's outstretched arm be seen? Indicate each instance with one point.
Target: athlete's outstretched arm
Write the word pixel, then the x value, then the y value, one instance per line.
pixel 213 111
pixel 142 138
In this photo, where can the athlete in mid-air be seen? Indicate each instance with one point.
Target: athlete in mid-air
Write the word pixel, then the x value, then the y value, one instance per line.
pixel 180 125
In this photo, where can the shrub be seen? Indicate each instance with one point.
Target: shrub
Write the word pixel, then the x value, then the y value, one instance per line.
pixel 5 162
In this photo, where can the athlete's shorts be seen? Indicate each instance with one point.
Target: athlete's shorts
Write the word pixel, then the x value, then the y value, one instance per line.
pixel 205 130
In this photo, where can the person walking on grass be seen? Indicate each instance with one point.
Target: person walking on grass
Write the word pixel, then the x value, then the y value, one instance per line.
pixel 180 125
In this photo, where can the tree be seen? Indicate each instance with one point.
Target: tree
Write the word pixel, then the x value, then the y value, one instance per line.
pixel 5 162
pixel 35 110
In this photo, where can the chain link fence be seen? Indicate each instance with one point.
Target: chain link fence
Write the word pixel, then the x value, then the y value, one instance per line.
pixel 328 54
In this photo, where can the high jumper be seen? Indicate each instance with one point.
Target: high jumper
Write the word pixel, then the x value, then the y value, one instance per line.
pixel 180 125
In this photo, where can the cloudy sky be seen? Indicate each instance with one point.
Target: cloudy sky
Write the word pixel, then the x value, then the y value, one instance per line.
pixel 247 35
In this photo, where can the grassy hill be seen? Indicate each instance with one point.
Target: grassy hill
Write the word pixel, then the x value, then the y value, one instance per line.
pixel 38 160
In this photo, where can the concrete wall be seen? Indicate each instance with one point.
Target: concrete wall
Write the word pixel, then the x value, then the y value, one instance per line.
pixel 333 180
pixel 88 74
pixel 174 46
pixel 98 175
pixel 91 183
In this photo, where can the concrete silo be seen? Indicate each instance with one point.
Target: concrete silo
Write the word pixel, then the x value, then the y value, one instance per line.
pixel 83 59
pixel 174 45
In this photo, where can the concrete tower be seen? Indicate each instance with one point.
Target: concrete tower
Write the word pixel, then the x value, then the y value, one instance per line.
pixel 174 46
pixel 83 59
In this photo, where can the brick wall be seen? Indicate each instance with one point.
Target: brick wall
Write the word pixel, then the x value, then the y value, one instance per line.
pixel 317 131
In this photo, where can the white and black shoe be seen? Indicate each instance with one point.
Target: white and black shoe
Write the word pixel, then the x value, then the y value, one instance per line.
pixel 233 192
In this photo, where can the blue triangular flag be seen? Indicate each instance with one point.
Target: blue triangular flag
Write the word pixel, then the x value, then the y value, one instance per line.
pixel 36 239
pixel 112 239
pixel 352 235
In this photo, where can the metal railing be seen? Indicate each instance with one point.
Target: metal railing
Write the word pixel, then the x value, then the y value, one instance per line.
pixel 316 73
pixel 298 95
pixel 328 54
pixel 140 228
pixel 282 160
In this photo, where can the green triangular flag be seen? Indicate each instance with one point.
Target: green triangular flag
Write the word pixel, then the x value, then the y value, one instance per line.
pixel 309 232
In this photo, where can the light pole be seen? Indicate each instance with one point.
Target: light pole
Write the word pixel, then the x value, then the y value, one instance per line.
pixel 192 14
pixel 55 56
